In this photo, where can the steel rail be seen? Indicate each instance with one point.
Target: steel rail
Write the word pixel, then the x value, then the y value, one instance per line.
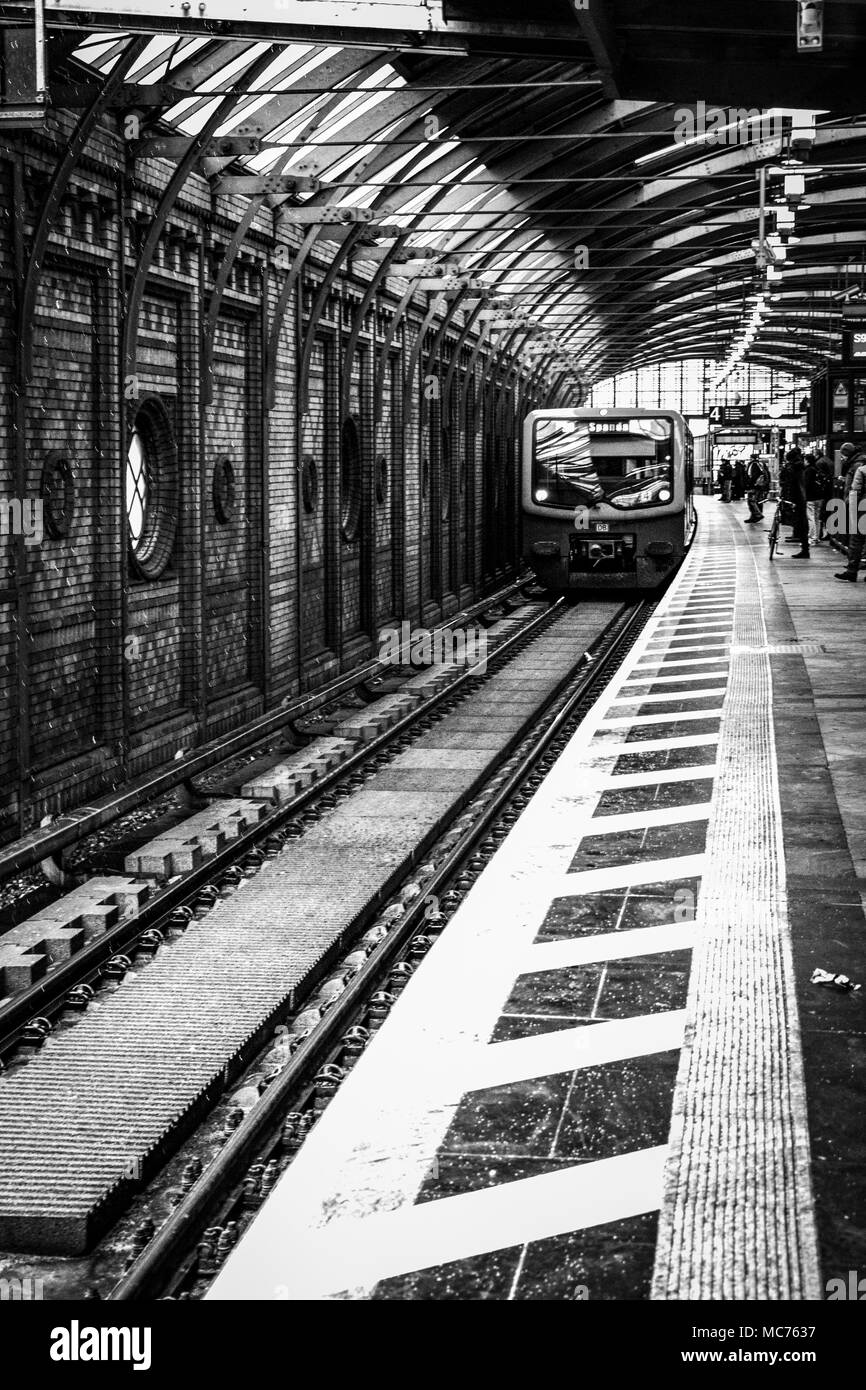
pixel 48 994
pixel 149 1274
pixel 72 826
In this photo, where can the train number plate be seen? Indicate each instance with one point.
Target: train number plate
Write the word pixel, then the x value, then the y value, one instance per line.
pixel 601 526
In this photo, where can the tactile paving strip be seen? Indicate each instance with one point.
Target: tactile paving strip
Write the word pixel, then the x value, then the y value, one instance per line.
pixel 738 1219
pixel 96 1106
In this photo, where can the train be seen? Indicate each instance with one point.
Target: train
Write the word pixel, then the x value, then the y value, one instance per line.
pixel 607 497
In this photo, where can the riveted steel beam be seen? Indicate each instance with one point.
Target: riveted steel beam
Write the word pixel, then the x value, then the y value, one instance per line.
pixel 176 146
pixel 167 201
pixel 468 325
pixel 418 27
pixel 382 365
pixel 334 71
pixel 356 326
pixel 48 212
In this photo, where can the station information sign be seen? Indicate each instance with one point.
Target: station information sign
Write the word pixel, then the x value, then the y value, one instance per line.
pixel 731 415
pixel 857 345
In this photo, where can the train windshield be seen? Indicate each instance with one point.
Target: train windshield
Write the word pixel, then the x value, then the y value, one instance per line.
pixel 625 463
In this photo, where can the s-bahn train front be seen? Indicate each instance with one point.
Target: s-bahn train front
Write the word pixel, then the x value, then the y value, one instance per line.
pixel 607 497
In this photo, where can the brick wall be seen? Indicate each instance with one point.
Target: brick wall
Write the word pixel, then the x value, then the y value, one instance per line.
pixel 111 670
pixel 8 667
pixel 232 514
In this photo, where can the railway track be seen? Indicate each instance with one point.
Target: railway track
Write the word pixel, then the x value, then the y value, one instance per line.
pixel 318 1043
pixel 43 845
pixel 29 1014
pixel 376 948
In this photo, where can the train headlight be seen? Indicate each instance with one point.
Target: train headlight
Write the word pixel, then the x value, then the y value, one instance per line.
pixel 664 495
pixel 542 494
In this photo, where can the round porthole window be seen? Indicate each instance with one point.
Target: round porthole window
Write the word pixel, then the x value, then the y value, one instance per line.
pixel 309 483
pixel 381 479
pixel 350 479
pixel 151 489
pixel 224 491
pixel 57 490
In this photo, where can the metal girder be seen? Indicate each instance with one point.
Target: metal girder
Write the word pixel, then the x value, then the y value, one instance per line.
pixel 341 254
pixel 468 325
pixel 414 356
pixel 48 212
pixel 639 218
pixel 166 203
pixel 329 76
pixel 408 122
pixel 204 64
pixel 482 342
pixel 176 146
pixel 407 107
pixel 357 324
pixel 144 94
pixel 255 185
pixel 436 345
pixel 596 26
pixel 382 365
pixel 334 70
pixel 418 25
pixel 329 215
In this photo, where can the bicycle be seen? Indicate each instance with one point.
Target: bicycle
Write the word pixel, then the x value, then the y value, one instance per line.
pixel 775 528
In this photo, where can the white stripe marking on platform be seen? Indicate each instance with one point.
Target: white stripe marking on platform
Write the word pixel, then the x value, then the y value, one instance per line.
pixel 615 876
pixel 318 1262
pixel 655 745
pixel 697 622
pixel 638 720
pixel 677 649
pixel 572 1049
pixel 686 678
pixel 645 820
pixel 662 776
pixel 615 945
pixel 658 664
pixel 665 697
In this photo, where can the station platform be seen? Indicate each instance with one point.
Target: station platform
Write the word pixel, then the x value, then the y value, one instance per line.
pixel 612 1077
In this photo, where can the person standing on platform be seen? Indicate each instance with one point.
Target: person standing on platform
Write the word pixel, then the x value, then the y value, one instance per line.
pixel 848 457
pixel 726 479
pixel 814 498
pixel 766 482
pixel 797 465
pixel 738 491
pixel 754 495
pixel 826 484
pixel 855 497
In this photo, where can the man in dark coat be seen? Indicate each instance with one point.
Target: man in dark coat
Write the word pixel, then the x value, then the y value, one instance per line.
pixel 726 479
pixel 854 462
pixel 797 486
pixel 738 491
pixel 755 494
